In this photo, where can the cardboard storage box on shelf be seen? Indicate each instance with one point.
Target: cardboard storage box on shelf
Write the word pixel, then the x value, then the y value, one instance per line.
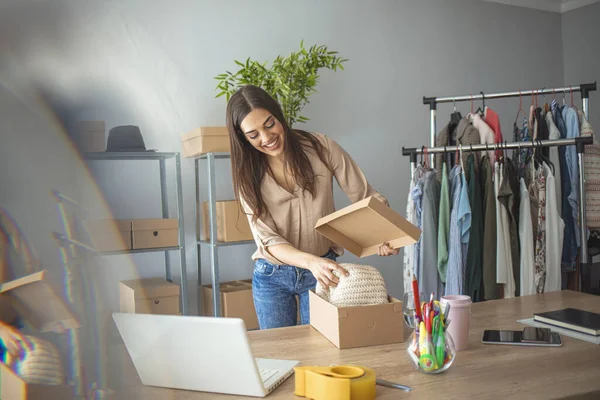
pixel 110 234
pixel 236 301
pixel 154 233
pixel 149 296
pixel 90 136
pixel 361 228
pixel 232 223
pixel 38 303
pixel 359 326
pixel 365 225
pixel 206 139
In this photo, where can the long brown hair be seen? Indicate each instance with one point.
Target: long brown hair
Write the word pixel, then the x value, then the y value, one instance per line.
pixel 248 165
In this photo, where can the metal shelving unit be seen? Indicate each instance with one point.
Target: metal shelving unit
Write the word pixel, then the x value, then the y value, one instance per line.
pixel 213 244
pixel 161 157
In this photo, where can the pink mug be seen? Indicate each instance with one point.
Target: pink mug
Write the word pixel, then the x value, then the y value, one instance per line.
pixel 459 317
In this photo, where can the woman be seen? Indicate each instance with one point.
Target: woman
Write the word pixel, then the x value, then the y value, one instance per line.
pixel 283 178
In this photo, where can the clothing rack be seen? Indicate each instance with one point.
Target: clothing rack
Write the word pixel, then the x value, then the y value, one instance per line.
pixel 580 142
pixel 584 88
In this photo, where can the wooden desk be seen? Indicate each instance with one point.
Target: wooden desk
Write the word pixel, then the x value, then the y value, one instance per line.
pixel 480 371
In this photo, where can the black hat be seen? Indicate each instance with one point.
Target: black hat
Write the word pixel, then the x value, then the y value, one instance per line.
pixel 125 138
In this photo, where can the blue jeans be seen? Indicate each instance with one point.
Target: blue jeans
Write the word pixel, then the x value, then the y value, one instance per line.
pixel 274 289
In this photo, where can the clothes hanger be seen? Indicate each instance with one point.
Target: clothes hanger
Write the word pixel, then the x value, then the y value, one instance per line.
pixel 544 158
pixel 455 118
pixel 462 165
pixel 481 110
pixel 520 108
pixel 572 101
pixel 546 105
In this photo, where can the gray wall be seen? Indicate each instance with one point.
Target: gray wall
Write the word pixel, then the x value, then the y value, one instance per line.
pixel 581 53
pixel 151 63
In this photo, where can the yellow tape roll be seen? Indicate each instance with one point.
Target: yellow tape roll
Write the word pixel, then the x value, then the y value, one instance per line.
pixel 342 382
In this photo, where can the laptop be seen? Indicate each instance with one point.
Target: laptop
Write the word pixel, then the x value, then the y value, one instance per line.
pixel 204 354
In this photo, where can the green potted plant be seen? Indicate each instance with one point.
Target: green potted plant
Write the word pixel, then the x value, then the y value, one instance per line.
pixel 290 80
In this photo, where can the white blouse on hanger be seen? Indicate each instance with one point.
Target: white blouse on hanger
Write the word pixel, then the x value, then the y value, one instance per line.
pixel 526 241
pixel 504 268
pixel 555 230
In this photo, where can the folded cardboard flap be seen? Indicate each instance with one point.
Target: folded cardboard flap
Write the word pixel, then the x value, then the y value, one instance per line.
pixel 365 225
pixel 150 288
pixel 38 303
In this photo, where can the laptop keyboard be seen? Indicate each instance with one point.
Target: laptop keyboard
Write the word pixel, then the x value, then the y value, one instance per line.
pixel 266 374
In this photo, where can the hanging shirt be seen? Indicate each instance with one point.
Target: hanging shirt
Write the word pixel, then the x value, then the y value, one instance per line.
pixel 490 287
pixel 443 139
pixel 464 213
pixel 409 256
pixel 454 275
pixel 526 241
pixel 504 268
pixel 540 243
pixel 555 229
pixel 486 134
pixel 417 195
pixel 569 242
pixel 509 197
pixel 466 135
pixel 543 132
pixel 572 123
pixel 554 134
pixel 429 281
pixel 492 119
pixel 443 226
pixel 521 135
pixel 534 198
pixel 473 270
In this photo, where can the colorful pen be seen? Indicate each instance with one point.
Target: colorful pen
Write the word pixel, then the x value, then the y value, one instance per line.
pixel 435 329
pixel 415 287
pixel 440 345
pixel 422 339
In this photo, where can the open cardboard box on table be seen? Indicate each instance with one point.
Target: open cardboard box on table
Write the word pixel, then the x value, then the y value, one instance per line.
pixel 36 302
pixel 361 228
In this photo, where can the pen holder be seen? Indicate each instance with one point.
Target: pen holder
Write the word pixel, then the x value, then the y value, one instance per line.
pixel 426 356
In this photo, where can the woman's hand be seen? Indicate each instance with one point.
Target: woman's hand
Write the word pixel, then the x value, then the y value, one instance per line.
pixel 14 341
pixel 386 250
pixel 322 269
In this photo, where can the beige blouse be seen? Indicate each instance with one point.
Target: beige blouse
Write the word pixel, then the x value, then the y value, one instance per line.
pixel 292 217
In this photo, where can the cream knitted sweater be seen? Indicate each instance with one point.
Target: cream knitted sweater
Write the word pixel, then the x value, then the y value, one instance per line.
pixel 364 286
pixel 41 365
